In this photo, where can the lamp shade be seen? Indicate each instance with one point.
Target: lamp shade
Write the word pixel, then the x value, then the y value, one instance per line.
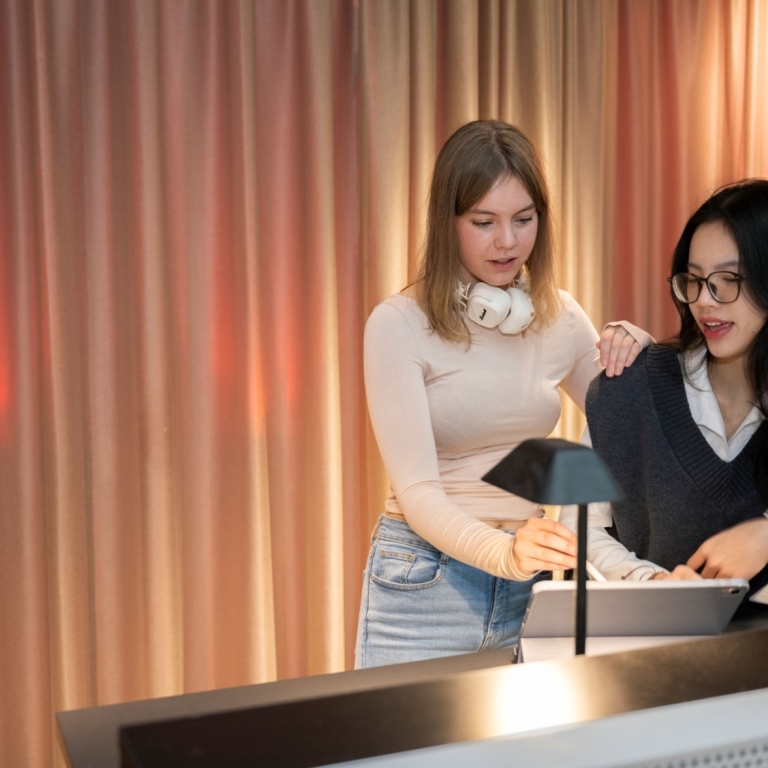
pixel 554 471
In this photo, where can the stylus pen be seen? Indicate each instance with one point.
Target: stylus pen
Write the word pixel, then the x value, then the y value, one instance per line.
pixel 594 573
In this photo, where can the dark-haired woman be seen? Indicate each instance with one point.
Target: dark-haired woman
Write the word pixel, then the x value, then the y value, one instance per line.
pixel 684 430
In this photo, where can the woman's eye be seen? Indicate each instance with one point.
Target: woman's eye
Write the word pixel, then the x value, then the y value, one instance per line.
pixel 482 223
pixel 526 220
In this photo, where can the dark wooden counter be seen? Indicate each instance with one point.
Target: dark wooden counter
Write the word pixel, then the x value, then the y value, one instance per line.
pixel 333 718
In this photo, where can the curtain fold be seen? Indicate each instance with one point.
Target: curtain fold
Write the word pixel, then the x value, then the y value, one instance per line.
pixel 692 117
pixel 200 204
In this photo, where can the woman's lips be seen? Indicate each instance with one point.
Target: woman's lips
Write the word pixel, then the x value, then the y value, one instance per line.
pixel 504 265
pixel 714 329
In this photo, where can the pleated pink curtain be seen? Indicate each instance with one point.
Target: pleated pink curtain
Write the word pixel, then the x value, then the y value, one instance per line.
pixel 182 431
pixel 693 75
pixel 200 203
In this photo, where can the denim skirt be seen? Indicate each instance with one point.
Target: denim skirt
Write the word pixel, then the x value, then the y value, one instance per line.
pixel 418 603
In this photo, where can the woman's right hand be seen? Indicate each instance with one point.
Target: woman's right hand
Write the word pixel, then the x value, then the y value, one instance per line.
pixel 544 545
pixel 618 349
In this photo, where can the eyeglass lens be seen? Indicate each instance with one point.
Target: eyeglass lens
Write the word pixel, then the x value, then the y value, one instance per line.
pixel 724 286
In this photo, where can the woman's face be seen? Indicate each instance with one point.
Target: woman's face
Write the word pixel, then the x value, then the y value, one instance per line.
pixel 728 329
pixel 496 236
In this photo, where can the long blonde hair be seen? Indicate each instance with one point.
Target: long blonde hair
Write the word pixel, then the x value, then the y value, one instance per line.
pixel 468 165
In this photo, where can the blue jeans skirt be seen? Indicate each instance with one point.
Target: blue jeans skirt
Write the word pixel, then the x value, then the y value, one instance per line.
pixel 418 603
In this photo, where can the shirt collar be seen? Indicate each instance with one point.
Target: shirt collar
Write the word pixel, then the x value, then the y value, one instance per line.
pixel 702 401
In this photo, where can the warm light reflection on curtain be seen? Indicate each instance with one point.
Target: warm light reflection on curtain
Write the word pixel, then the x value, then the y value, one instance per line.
pixel 693 75
pixel 200 203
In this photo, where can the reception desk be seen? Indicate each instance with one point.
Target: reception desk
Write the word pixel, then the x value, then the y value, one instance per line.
pixel 695 698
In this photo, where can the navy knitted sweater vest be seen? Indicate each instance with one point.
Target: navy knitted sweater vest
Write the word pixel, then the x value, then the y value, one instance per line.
pixel 678 492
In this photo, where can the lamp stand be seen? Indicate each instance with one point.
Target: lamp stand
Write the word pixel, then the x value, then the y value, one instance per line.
pixel 581 581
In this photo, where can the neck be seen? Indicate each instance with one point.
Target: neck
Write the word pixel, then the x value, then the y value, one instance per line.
pixel 732 391
pixel 729 376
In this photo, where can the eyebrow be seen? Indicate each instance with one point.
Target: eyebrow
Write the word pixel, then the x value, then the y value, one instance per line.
pixel 718 267
pixel 527 208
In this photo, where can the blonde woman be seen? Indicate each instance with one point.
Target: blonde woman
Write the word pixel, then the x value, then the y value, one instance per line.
pixel 460 367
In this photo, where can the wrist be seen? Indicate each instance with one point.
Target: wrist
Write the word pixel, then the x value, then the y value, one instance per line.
pixel 516 573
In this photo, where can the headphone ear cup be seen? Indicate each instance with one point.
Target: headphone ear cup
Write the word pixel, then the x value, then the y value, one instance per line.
pixel 521 312
pixel 488 306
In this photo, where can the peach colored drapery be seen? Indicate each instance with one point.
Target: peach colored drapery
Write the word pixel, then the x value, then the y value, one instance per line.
pixel 692 84
pixel 200 202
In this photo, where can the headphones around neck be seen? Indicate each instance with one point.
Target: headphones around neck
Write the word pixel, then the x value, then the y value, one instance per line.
pixel 510 310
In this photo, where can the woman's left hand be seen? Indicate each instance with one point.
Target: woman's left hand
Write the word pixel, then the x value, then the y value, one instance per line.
pixel 618 349
pixel 679 573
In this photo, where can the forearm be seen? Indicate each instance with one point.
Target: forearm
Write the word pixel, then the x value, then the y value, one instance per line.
pixel 458 534
pixel 608 555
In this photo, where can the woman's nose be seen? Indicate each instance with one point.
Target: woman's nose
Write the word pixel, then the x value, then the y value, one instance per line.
pixel 506 236
pixel 705 297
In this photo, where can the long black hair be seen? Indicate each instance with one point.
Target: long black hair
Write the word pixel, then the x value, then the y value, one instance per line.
pixel 742 208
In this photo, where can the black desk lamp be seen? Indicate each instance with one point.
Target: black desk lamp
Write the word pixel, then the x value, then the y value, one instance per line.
pixel 555 471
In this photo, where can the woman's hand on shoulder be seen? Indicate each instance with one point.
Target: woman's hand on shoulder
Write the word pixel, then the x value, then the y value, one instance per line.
pixel 544 545
pixel 618 349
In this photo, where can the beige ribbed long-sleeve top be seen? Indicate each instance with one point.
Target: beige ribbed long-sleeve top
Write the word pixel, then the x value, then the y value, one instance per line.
pixel 444 414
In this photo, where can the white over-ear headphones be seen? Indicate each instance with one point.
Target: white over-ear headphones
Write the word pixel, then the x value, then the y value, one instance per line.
pixel 510 310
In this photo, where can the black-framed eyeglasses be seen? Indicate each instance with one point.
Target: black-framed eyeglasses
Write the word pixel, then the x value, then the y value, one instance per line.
pixel 724 287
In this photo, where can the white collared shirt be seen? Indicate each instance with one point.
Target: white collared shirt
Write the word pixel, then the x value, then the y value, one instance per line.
pixel 706 411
